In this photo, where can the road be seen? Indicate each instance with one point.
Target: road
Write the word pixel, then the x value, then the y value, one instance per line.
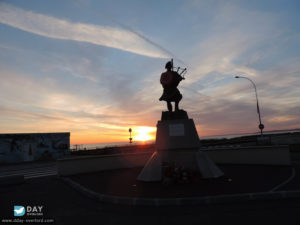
pixel 29 170
pixel 67 206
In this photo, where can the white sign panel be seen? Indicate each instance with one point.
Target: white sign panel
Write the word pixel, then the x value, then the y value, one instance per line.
pixel 176 129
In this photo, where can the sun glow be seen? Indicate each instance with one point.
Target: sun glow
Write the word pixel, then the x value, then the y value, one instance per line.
pixel 143 133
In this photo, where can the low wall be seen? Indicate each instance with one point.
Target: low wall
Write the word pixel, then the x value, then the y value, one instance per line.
pixel 269 155
pixel 85 164
pixel 263 155
pixel 285 139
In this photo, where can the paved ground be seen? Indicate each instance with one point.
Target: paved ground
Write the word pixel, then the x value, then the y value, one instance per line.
pixel 29 170
pixel 237 179
pixel 66 206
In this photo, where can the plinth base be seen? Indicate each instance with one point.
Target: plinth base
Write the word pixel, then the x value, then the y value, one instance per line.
pixel 190 160
pixel 177 143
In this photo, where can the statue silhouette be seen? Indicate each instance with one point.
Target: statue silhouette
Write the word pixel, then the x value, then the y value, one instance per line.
pixel 170 80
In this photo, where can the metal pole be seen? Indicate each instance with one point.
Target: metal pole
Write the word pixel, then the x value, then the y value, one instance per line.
pixel 130 138
pixel 260 126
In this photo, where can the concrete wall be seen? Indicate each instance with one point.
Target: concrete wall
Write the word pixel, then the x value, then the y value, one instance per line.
pixel 258 155
pixel 265 155
pixel 85 164
pixel 285 139
pixel 33 146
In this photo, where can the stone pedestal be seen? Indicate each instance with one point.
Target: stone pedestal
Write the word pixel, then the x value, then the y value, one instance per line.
pixel 176 134
pixel 177 142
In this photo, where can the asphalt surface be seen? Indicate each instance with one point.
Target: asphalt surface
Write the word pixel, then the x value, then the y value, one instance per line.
pixel 237 179
pixel 66 206
pixel 29 170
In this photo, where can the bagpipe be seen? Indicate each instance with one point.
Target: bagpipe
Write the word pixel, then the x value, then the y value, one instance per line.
pixel 173 77
pixel 180 71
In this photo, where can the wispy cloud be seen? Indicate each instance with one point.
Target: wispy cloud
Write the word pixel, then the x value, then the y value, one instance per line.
pixel 52 27
pixel 239 43
pixel 41 105
pixel 99 96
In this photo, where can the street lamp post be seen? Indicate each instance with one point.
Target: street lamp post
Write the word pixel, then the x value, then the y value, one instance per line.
pixel 260 126
pixel 130 138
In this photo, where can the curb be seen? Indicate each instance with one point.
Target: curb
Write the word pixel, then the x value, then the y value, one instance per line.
pixel 233 198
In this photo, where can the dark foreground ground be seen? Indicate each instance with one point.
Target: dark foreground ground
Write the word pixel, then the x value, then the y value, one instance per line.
pixel 237 179
pixel 66 206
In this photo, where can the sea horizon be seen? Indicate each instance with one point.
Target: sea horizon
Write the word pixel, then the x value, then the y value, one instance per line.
pixel 118 144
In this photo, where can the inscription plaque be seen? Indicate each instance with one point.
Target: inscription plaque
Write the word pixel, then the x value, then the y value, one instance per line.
pixel 176 129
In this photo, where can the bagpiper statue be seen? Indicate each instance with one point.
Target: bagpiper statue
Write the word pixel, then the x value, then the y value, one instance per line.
pixel 170 80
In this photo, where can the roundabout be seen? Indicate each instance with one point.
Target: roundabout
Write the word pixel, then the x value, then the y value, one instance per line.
pixel 239 185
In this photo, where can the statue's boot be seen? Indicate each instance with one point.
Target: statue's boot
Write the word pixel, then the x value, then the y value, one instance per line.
pixel 177 106
pixel 169 106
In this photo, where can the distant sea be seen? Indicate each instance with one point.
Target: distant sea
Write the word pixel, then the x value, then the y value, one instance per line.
pixel 108 144
pixel 118 144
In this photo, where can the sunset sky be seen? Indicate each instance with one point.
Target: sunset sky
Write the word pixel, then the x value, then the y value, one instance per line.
pixel 92 67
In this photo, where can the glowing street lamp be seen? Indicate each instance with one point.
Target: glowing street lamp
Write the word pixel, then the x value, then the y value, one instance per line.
pixel 260 126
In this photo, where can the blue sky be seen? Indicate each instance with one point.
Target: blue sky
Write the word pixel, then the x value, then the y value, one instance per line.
pixel 93 67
